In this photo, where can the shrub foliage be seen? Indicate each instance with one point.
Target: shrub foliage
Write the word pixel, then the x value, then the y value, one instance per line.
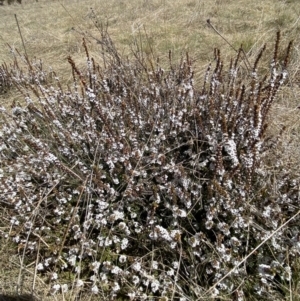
pixel 135 184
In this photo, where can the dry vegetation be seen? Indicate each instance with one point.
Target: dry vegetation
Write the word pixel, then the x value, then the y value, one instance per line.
pixel 53 31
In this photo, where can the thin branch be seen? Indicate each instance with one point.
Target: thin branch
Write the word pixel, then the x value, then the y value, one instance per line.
pixel 21 36
pixel 209 23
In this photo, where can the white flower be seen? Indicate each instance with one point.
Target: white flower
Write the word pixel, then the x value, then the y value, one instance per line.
pixel 95 289
pixel 135 280
pixel 122 259
pixel 95 266
pixel 137 266
pixel 215 292
pixel 55 288
pixel 160 232
pixel 79 283
pixel 107 242
pixel 14 221
pixel 103 277
pixel 215 264
pixel 72 260
pixel 188 204
pixel 267 212
pixel 78 269
pixel 144 297
pixel 194 241
pixel 175 264
pixel 287 274
pixel 265 271
pixel 116 270
pixel 235 242
pixel 209 224
pixel 93 278
pixel 154 265
pixel 175 234
pixel 173 244
pixel 102 205
pixel 64 288
pixel 40 267
pixel 115 239
pixel 145 282
pixel 170 272
pixel 122 225
pixel 103 221
pixel 154 286
pixel 124 243
pixel 107 265
pixel 116 287
pixel 116 181
pixel 221 248
pixel 131 295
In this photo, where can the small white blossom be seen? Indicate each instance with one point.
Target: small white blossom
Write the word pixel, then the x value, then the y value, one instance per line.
pixel 107 242
pixel 40 267
pixel 178 212
pixel 135 280
pixel 173 244
pixel 154 286
pixel 194 241
pixel 116 270
pixel 95 290
pixel 72 260
pixel 215 264
pixel 95 266
pixel 124 243
pixel 116 287
pixel 116 215
pixel 122 258
pixel 55 288
pixel 79 283
pixel 154 265
pixel 137 266
pixel 175 264
pixel 209 224
pixel 170 272
pixel 122 225
pixel 131 295
pixel 64 288
pixel 93 278
pixel 160 232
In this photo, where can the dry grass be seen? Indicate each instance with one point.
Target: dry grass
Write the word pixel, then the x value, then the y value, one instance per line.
pixel 53 30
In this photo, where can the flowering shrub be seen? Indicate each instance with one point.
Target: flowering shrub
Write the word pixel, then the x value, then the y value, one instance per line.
pixel 141 186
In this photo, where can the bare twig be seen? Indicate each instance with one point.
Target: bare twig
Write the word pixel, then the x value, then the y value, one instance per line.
pixel 247 64
pixel 21 36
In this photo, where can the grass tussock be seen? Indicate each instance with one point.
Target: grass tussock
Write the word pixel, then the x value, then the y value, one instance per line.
pixel 136 183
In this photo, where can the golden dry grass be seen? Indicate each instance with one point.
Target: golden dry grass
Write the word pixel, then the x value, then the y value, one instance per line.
pixel 53 30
